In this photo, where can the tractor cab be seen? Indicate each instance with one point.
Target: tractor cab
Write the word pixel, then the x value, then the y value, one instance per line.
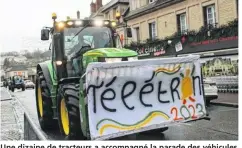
pixel 76 43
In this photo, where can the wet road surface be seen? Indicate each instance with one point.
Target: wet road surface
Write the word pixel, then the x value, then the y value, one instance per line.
pixel 222 126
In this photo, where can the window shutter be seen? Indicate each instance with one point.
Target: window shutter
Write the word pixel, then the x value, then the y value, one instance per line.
pixel 178 23
pixel 150 30
pixel 205 16
pixel 134 34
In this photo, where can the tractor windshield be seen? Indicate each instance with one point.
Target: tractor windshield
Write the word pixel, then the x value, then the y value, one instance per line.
pixel 93 37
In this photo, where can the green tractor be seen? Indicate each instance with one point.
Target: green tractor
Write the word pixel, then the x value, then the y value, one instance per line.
pixel 60 90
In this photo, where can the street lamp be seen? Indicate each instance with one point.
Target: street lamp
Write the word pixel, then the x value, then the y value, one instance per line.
pixel 118 15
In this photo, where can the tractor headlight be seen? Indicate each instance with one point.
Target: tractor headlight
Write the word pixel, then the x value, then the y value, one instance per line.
pixel 70 23
pixel 98 23
pixel 112 60
pixel 61 25
pixel 58 62
pixel 106 22
pixel 78 23
pixel 132 58
pixel 114 24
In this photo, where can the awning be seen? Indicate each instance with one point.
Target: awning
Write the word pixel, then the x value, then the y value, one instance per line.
pixel 215 53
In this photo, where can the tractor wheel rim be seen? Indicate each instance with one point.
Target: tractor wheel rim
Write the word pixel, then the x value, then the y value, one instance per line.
pixel 40 103
pixel 64 117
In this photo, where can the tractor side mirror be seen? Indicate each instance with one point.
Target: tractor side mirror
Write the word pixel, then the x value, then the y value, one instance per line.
pixel 129 32
pixel 58 47
pixel 45 34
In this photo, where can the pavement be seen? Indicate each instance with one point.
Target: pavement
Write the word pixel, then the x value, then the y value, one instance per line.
pixel 10 124
pixel 222 126
pixel 227 99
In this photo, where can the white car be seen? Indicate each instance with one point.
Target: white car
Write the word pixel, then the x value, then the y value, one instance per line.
pixel 210 90
pixel 29 84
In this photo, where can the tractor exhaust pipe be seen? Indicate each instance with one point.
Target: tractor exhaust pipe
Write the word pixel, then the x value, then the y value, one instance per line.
pixel 78 14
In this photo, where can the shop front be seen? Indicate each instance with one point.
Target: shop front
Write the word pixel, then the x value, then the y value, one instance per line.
pixel 219 57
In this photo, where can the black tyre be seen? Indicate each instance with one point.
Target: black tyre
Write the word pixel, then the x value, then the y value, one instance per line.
pixel 68 112
pixel 208 102
pixel 23 88
pixel 12 89
pixel 44 104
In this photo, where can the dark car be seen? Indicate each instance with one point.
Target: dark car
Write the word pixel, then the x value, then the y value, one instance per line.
pixel 17 82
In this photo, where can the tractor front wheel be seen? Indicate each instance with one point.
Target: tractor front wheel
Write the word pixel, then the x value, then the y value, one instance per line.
pixel 23 88
pixel 12 88
pixel 68 112
pixel 44 104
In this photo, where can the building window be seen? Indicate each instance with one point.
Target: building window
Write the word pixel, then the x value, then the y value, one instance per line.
pixel 209 15
pixel 182 23
pixel 114 13
pixel 152 30
pixel 137 34
pixel 107 15
pixel 122 11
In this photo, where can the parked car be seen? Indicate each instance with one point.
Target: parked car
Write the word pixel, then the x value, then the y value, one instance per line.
pixel 210 90
pixel 29 84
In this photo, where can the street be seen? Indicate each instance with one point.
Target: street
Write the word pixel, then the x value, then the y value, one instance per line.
pixel 222 126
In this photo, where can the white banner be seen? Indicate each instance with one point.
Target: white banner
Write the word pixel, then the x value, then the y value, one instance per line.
pixel 131 97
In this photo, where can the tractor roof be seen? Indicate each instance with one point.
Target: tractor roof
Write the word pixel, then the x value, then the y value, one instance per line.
pixel 72 23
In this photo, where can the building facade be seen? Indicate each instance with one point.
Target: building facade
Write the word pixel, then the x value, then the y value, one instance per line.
pixel 168 28
pixel 115 7
pixel 96 9
pixel 108 11
pixel 150 19
pixel 19 70
pixel 181 27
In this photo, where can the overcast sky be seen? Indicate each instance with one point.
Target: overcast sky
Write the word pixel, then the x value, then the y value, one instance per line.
pixel 21 21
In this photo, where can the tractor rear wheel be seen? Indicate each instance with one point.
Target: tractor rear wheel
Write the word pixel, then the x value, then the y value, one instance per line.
pixel 44 104
pixel 68 112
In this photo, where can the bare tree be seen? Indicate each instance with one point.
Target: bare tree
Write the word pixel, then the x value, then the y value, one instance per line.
pixel 6 63
pixel 37 54
pixel 12 53
pixel 27 54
